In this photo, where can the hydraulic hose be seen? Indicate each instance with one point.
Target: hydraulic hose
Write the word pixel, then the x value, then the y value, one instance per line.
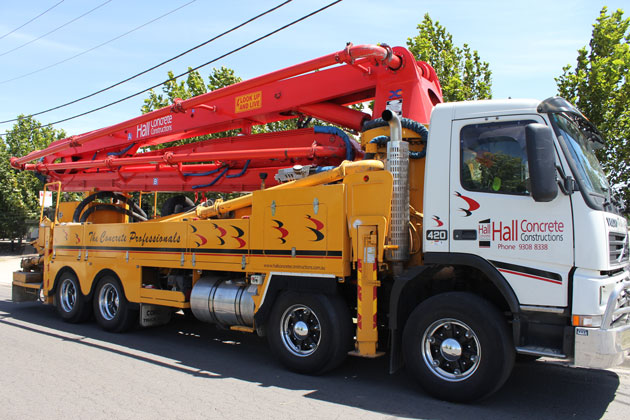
pixel 107 194
pixel 111 207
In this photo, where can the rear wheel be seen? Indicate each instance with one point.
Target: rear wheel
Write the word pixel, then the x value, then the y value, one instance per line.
pixel 111 309
pixel 71 304
pixel 458 347
pixel 310 333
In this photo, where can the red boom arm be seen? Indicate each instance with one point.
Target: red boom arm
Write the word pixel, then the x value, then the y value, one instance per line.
pixel 115 158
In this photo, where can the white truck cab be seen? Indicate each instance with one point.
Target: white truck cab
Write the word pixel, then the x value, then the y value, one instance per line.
pixel 514 187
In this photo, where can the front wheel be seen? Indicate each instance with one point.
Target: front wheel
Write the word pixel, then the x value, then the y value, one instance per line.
pixel 458 346
pixel 310 333
pixel 111 309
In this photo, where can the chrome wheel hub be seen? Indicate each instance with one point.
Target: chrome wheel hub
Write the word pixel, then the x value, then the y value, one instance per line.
pixel 108 301
pixel 451 350
pixel 68 295
pixel 300 330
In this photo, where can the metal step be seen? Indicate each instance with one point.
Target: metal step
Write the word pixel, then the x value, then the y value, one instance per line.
pixel 541 351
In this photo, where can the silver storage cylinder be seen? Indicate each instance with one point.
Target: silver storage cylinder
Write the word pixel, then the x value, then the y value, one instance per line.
pixel 223 302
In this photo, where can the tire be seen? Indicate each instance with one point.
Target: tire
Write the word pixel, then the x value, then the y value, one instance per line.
pixel 70 303
pixel 111 309
pixel 458 346
pixel 310 333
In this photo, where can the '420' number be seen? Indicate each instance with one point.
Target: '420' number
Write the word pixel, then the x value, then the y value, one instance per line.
pixel 437 235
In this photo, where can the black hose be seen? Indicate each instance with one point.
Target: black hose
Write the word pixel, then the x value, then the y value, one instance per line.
pixel 111 207
pixel 107 194
pixel 412 125
pixel 176 204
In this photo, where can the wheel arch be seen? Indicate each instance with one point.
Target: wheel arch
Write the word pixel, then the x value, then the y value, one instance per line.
pixel 298 282
pixel 104 273
pixel 444 272
pixel 60 273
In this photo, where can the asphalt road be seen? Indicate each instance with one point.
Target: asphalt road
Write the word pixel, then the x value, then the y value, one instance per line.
pixel 51 369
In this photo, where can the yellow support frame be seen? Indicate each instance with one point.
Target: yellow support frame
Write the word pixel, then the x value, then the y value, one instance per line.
pixel 367 284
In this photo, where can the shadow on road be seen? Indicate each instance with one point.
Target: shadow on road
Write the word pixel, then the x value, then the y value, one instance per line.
pixel 536 389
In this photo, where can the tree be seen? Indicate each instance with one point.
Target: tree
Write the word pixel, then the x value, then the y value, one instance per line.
pixel 599 87
pixel 19 190
pixel 193 86
pixel 462 74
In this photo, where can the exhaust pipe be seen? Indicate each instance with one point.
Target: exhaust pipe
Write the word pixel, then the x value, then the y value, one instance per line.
pixel 398 166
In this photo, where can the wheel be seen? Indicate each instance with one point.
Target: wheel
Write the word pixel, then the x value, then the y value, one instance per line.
pixel 71 304
pixel 458 346
pixel 310 333
pixel 111 309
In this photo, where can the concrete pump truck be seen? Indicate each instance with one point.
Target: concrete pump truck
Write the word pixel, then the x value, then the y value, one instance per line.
pixel 450 249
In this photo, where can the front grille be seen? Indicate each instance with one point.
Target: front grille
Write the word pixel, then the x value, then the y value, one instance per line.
pixel 618 247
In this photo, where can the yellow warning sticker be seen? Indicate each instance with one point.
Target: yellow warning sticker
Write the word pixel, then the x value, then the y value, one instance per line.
pixel 248 102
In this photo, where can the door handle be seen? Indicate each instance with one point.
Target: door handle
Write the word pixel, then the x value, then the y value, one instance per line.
pixel 465 234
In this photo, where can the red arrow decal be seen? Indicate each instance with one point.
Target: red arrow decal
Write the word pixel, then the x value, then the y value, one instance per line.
pixel 282 231
pixel 239 233
pixel 472 204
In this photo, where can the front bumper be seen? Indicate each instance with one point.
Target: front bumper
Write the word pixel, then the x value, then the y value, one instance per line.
pixel 607 346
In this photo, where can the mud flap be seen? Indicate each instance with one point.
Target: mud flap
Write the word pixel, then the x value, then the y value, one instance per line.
pixel 24 294
pixel 154 315
pixel 26 286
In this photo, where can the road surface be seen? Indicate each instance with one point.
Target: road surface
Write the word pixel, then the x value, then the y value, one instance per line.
pixel 54 370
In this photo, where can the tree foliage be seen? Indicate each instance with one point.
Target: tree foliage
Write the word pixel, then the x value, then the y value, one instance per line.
pixel 19 190
pixel 599 86
pixel 194 85
pixel 462 73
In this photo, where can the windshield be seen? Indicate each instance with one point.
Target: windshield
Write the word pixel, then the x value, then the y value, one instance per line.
pixel 582 150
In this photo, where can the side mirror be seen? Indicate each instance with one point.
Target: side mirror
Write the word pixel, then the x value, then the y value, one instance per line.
pixel 541 157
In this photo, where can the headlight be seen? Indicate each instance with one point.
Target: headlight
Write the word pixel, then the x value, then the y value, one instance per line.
pixel 587 321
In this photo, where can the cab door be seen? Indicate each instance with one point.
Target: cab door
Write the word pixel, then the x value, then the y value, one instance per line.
pixel 492 214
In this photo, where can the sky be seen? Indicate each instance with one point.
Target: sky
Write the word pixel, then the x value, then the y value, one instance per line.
pixel 526 44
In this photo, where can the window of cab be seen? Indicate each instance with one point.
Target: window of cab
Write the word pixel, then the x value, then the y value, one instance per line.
pixel 494 157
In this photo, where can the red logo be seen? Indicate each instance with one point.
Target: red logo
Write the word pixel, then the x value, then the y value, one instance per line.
pixel 201 237
pixel 472 204
pixel 239 233
pixel 438 221
pixel 317 230
pixel 222 233
pixel 282 231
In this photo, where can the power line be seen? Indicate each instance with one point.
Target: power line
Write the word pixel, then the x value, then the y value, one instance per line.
pixel 38 16
pixel 56 29
pixel 198 67
pixel 154 67
pixel 96 46
pixel 321 9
